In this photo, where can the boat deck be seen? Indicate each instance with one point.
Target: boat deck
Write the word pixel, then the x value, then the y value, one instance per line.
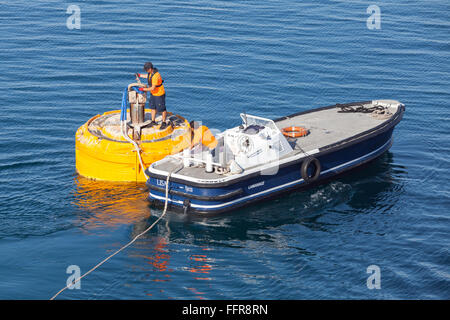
pixel 329 126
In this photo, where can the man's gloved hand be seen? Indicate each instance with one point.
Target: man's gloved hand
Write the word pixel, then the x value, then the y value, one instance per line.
pixel 137 75
pixel 141 89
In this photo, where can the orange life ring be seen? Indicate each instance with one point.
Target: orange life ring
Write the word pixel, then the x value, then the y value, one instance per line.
pixel 294 132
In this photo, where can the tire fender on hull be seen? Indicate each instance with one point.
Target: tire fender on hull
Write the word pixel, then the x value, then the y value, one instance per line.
pixel 310 161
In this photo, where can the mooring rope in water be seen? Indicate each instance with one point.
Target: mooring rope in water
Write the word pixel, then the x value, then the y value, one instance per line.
pixel 129 243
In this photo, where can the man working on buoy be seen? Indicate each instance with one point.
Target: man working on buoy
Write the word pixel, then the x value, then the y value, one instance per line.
pixel 158 94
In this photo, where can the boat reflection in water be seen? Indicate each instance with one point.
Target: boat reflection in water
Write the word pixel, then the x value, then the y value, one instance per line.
pixel 108 204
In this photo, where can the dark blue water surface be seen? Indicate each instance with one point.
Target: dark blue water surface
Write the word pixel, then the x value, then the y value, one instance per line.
pixel 220 58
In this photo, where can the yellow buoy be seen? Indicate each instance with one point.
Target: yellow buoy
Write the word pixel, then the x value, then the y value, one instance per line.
pixel 103 154
pixel 109 148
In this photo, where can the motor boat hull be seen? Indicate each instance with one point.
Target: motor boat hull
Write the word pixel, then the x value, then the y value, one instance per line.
pixel 329 161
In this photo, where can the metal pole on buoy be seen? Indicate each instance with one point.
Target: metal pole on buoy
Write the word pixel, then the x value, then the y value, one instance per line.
pixel 138 100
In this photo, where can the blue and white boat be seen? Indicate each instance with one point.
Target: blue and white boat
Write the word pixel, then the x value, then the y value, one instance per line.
pixel 263 158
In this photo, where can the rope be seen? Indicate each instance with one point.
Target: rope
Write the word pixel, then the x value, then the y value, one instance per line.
pixel 136 147
pixel 362 109
pixel 377 111
pixel 298 147
pixel 129 243
pixel 308 156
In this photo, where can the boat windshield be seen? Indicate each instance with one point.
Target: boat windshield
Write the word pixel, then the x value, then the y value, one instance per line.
pixel 258 121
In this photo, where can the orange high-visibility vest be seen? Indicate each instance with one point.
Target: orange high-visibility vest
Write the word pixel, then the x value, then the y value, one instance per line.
pixel 155 79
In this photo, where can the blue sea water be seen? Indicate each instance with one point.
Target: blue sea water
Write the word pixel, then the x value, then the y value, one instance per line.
pixel 220 58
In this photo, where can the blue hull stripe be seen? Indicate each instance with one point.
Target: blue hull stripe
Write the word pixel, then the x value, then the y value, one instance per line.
pixel 335 169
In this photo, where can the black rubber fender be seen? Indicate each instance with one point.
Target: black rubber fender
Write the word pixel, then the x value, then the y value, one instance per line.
pixel 305 166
